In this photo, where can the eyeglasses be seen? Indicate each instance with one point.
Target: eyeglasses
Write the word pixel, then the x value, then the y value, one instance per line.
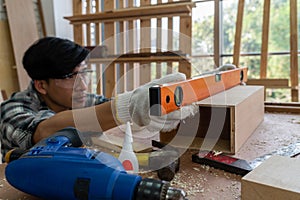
pixel 73 79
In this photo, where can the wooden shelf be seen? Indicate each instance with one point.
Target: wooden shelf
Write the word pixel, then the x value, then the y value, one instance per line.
pixel 144 12
pixel 270 82
pixel 139 59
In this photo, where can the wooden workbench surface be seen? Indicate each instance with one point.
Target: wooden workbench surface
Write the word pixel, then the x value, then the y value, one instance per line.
pixel 203 182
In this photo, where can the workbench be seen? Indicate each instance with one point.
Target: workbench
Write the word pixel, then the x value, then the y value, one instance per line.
pixel 204 182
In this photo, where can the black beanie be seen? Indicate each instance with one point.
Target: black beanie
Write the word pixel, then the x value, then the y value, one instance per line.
pixel 52 57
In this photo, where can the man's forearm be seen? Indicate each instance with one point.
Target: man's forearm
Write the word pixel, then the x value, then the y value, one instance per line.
pixel 97 118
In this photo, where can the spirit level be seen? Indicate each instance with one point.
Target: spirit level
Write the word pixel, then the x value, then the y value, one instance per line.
pixel 169 97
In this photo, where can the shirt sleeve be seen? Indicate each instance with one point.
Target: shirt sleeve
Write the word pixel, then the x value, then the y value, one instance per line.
pixel 19 121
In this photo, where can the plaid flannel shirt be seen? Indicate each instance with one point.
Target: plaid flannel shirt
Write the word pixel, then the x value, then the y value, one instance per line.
pixel 21 114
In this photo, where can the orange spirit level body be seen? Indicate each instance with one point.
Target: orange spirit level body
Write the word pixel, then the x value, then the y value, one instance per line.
pixel 169 97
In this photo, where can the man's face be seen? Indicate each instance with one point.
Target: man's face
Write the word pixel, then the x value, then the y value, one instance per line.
pixel 69 91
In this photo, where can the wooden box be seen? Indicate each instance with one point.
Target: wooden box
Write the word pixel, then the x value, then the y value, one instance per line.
pixel 276 178
pixel 224 123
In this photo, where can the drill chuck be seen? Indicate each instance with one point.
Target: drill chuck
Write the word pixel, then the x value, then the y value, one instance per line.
pixel 150 189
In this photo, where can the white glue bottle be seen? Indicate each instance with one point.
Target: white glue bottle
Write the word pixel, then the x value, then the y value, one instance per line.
pixel 127 157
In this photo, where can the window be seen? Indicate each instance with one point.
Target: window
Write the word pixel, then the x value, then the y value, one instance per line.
pixel 211 46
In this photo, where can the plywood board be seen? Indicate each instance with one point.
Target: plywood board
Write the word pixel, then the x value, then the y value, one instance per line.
pixel 276 178
pixel 8 74
pixel 226 121
pixel 24 31
pixel 231 97
pixel 113 139
pixel 248 114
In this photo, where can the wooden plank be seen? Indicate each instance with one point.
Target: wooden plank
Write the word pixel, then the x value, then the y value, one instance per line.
pixel 276 178
pixel 145 67
pixel 88 25
pixel 140 59
pixel 282 109
pixel 41 13
pixel 185 44
pixel 217 34
pixel 97 25
pixel 113 139
pixel 22 22
pixel 98 40
pixel 8 74
pixel 158 43
pixel 294 50
pixel 146 11
pixel 248 114
pixel 292 107
pixel 170 42
pixel 77 29
pixel 265 39
pixel 130 69
pixel 121 78
pixel 238 33
pixel 270 82
pixel 109 35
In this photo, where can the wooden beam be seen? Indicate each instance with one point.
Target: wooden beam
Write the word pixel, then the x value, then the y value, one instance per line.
pixel 294 50
pixel 217 34
pixel 146 11
pixel 121 48
pixel 293 107
pixel 41 13
pixel 158 43
pixel 238 33
pixel 77 29
pixel 265 39
pixel 130 76
pixel 145 67
pixel 109 34
pixel 170 41
pixel 270 83
pixel 185 44
pixel 139 59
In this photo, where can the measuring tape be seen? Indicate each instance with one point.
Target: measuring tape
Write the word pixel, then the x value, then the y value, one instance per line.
pixel 171 96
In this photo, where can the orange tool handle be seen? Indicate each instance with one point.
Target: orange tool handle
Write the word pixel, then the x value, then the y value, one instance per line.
pixel 169 97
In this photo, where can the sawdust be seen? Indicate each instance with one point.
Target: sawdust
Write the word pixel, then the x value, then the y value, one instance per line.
pixel 205 182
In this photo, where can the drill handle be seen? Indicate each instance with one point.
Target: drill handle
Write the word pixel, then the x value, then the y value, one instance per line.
pixel 70 133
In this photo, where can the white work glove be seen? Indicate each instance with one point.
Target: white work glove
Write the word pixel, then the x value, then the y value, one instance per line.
pixel 226 67
pixel 220 69
pixel 134 106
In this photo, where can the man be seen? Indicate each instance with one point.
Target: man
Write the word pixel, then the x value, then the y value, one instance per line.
pixel 57 98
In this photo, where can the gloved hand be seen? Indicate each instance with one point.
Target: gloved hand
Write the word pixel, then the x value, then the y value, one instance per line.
pixel 226 67
pixel 219 69
pixel 134 106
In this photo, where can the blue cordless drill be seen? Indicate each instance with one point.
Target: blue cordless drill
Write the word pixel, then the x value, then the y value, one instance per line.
pixel 56 168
